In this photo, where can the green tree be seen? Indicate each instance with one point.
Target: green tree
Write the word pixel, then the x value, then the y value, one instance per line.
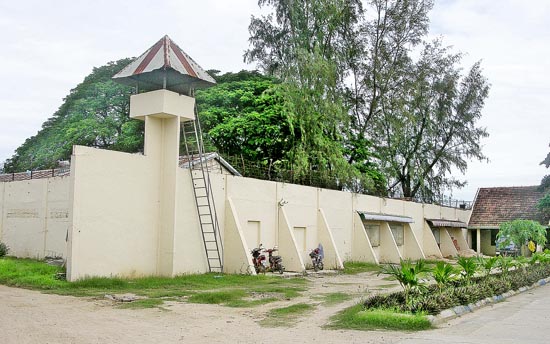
pixel 416 119
pixel 95 114
pixel 301 43
pixel 243 115
pixel 428 126
pixel 519 232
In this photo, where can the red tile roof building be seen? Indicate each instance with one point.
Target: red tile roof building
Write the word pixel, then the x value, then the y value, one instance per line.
pixel 494 206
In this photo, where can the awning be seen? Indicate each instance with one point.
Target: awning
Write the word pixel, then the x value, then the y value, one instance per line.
pixel 384 217
pixel 446 223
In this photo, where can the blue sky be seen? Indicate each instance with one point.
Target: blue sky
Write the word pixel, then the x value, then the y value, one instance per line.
pixel 49 47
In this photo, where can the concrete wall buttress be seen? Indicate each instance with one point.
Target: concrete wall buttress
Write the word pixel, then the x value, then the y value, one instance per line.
pixel 237 258
pixel 332 257
pixel 292 257
pixel 361 250
pixel 446 243
pixel 458 235
pixel 389 252
pixel 430 244
pixel 413 250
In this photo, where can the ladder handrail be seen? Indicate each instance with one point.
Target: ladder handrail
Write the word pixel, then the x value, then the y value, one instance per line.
pixel 205 177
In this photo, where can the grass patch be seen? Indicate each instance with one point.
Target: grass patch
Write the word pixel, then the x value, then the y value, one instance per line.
pixel 286 316
pixel 218 297
pixel 352 268
pixel 333 298
pixel 140 304
pixel 357 318
pixel 230 290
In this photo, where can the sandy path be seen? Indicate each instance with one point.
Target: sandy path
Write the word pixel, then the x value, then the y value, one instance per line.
pixel 32 317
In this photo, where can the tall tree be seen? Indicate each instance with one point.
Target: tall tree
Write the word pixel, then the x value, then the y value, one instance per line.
pixel 415 118
pixel 302 44
pixel 428 125
pixel 95 114
pixel 243 115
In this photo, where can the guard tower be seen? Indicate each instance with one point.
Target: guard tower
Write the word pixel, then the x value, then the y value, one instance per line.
pixel 165 78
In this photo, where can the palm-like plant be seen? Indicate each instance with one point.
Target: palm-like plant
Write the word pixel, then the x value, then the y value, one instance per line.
pixel 443 273
pixel 469 268
pixel 407 274
pixel 488 264
pixel 505 263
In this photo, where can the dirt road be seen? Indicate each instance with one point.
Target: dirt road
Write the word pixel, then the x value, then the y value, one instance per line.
pixel 32 317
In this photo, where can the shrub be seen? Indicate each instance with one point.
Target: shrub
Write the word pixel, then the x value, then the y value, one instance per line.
pixel 4 249
pixel 443 274
pixel 469 268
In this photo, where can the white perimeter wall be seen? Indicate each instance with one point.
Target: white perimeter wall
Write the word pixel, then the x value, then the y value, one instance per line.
pixel 34 217
pixel 115 218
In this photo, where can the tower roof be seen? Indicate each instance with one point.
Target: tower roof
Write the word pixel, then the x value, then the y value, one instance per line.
pixel 165 60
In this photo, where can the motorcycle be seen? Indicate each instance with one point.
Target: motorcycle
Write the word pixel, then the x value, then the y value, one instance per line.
pixel 258 259
pixel 275 262
pixel 317 256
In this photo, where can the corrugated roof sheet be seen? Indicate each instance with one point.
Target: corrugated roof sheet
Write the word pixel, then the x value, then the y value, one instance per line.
pixel 165 60
pixel 494 206
pixel 384 217
pixel 446 223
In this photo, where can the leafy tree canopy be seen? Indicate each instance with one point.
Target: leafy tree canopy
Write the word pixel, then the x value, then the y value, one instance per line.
pixel 519 232
pixel 95 113
pixel 413 118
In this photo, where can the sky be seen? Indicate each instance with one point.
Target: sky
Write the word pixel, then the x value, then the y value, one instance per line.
pixel 48 47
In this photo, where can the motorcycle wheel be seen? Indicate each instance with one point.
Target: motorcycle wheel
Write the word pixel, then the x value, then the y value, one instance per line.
pixel 315 267
pixel 281 269
pixel 320 265
pixel 261 269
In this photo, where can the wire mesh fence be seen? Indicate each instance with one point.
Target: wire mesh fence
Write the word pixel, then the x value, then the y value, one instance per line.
pixel 28 175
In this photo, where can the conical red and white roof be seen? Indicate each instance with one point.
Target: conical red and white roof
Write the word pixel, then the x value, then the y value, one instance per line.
pixel 165 64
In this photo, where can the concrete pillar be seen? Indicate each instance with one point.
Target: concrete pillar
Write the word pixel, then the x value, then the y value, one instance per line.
pixel 162 111
pixel 478 240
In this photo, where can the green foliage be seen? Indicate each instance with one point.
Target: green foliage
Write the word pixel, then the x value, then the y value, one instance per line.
pixel 546 161
pixel 409 122
pixel 488 264
pixel 229 290
pixel 443 273
pixel 544 206
pixel 243 115
pixel 4 249
pixel 407 274
pixel 469 267
pixel 357 318
pixel 435 299
pixel 519 232
pixel 505 263
pixel 352 267
pixel 94 114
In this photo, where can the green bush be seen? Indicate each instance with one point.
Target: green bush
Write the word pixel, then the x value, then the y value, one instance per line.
pixel 4 249
pixel 436 298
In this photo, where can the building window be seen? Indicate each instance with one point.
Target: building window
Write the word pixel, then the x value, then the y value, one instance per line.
pixel 373 232
pixel 398 230
pixel 437 235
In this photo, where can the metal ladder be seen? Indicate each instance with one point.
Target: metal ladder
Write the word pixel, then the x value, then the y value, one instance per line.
pixel 204 197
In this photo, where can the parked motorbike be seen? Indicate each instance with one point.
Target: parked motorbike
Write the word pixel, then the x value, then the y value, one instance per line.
pixel 317 256
pixel 258 259
pixel 275 262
